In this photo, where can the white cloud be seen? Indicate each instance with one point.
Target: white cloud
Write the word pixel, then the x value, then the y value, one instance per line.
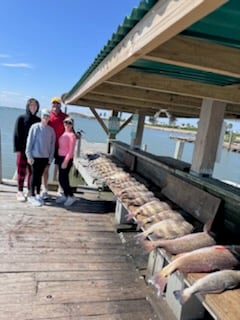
pixel 17 65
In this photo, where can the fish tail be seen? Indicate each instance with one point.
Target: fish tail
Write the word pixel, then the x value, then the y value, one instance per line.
pixel 168 269
pixel 140 237
pixel 207 226
pixel 148 245
pixel 159 282
pixel 140 224
pixel 181 295
pixel 129 216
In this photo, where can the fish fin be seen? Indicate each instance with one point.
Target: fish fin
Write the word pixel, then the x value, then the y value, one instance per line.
pixel 181 296
pixel 139 237
pixel 129 216
pixel 159 282
pixel 178 255
pixel 139 225
pixel 207 226
pixel 148 245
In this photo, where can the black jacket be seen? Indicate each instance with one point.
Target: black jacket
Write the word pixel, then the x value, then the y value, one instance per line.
pixel 22 126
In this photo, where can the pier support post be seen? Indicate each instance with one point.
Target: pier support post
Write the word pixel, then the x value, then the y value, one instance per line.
pixel 136 140
pixel 179 150
pixel 207 139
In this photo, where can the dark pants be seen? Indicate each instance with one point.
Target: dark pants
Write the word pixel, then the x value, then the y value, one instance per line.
pixel 23 169
pixel 38 167
pixel 63 176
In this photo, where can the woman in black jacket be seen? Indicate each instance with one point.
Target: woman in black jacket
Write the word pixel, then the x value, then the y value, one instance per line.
pixel 22 126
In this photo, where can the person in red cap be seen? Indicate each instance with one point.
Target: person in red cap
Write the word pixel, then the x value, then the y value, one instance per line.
pixel 56 122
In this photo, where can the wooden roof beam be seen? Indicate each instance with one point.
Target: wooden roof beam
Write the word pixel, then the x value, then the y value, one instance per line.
pixel 165 20
pixel 139 94
pixel 151 81
pixel 187 52
pixel 133 102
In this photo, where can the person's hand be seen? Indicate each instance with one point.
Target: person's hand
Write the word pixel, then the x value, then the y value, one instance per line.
pixel 30 161
pixel 64 165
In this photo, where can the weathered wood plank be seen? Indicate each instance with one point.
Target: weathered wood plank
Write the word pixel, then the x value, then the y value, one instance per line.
pixel 66 264
pixel 88 310
pixel 200 204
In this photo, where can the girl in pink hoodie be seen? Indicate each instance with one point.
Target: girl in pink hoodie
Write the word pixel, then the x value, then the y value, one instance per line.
pixel 66 147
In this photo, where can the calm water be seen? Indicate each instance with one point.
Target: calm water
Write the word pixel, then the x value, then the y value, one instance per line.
pixel 157 141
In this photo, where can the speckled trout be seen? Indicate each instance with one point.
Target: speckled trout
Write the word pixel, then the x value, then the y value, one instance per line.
pixel 214 282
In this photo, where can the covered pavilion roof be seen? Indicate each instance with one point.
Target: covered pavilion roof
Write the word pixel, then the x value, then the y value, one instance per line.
pixel 165 57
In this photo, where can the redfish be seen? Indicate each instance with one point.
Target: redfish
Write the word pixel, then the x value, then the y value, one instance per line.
pixel 167 229
pixel 200 260
pixel 182 244
pixel 149 208
pixel 135 187
pixel 215 282
pixel 140 199
pixel 134 194
pixel 157 217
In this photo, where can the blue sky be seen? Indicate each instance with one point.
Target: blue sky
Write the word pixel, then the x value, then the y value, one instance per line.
pixel 46 45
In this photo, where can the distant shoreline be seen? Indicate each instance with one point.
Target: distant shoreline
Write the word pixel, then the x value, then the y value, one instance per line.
pixel 179 130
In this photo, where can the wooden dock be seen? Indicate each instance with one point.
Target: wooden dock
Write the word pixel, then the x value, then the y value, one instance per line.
pixel 59 263
pixel 233 146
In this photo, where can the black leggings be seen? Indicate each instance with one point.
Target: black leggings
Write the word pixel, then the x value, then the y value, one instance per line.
pixel 63 176
pixel 38 167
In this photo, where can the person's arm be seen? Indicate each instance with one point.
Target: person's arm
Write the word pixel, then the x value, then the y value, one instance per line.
pixel 52 147
pixel 17 135
pixel 29 145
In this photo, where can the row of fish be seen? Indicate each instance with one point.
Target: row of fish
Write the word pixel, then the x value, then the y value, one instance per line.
pixel 164 221
pixel 195 252
pixel 206 259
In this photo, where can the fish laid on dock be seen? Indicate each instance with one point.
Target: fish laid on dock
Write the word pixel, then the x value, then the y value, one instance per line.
pixel 149 208
pixel 159 216
pixel 182 244
pixel 135 187
pixel 135 194
pixel 140 199
pixel 215 282
pixel 167 229
pixel 200 260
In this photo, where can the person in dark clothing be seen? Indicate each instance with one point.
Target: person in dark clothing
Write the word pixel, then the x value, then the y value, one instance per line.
pixel 22 126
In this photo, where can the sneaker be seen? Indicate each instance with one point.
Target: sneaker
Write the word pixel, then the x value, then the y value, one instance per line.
pixel 61 199
pixel 69 201
pixel 20 196
pixel 44 195
pixel 34 202
pixel 60 192
pixel 39 198
pixel 27 193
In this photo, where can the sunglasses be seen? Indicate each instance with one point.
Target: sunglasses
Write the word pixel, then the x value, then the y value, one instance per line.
pixel 55 102
pixel 68 122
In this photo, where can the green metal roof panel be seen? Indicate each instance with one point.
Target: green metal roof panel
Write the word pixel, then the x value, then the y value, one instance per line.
pixel 222 26
pixel 129 22
pixel 183 73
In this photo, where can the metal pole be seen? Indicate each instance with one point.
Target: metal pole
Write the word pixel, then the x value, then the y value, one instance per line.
pixel 179 150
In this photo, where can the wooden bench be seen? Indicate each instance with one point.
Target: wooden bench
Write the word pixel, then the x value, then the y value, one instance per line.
pixel 199 204
pixel 204 207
